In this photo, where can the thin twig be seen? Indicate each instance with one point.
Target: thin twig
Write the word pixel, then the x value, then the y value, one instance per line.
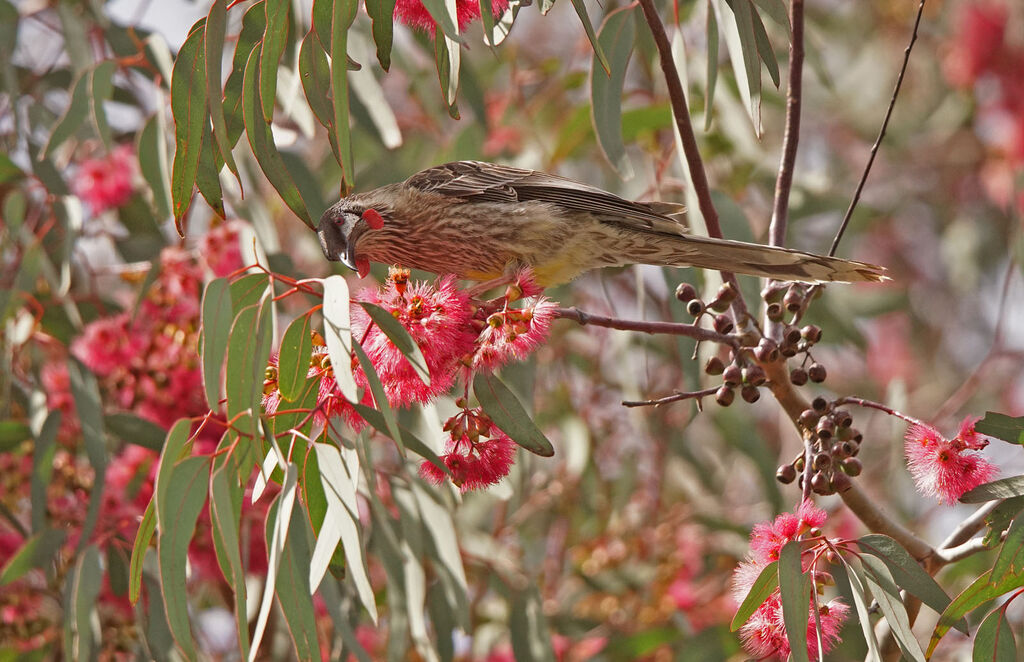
pixel 675 397
pixel 881 133
pixel 694 163
pixel 871 404
pixel 967 528
pixel 667 328
pixel 962 551
pixel 790 140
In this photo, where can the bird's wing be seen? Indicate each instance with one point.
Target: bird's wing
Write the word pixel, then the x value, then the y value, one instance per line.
pixel 488 182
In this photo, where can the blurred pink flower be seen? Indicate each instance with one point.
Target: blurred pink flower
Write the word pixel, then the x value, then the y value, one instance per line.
pixel 416 16
pixel 474 464
pixel 943 468
pixel 109 343
pixel 437 316
pixel 976 46
pixel 220 248
pixel 106 183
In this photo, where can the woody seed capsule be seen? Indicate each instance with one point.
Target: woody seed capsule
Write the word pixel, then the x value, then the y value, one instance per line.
pixel 750 393
pixel 754 375
pixel 714 366
pixel 732 376
pixel 817 373
pixel 695 307
pixel 786 474
pixel 798 376
pixel 686 292
pixel 724 396
pixel 724 324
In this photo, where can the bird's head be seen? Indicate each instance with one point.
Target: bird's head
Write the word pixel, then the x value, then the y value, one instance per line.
pixel 339 231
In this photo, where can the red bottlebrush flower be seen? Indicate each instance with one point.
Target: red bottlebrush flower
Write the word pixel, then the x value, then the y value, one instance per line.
pixel 513 334
pixel 220 249
pixel 437 316
pixel 943 468
pixel 474 464
pixel 764 635
pixel 416 16
pixel 106 183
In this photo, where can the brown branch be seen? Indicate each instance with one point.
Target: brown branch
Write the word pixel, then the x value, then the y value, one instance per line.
pixel 790 140
pixel 871 404
pixel 675 397
pixel 963 550
pixel 881 133
pixel 694 163
pixel 667 328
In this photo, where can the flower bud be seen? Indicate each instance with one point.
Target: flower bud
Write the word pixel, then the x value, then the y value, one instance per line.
pixel 724 324
pixel 686 292
pixel 750 393
pixel 724 396
pixel 714 366
pixel 732 375
pixel 817 373
pixel 798 376
pixel 786 474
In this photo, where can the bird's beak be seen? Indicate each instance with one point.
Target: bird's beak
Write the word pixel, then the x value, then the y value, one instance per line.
pixel 333 244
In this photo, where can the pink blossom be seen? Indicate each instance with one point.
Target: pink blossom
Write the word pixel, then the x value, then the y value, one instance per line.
pixel 220 248
pixel 106 183
pixel 768 538
pixel 976 47
pixel 513 334
pixel 108 343
pixel 474 464
pixel 946 469
pixel 437 316
pixel 416 16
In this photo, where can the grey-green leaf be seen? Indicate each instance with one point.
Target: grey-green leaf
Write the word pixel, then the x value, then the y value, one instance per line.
pixel 616 37
pixel 216 327
pixel 188 106
pixel 762 588
pixel 994 640
pixel 504 408
pixel 794 592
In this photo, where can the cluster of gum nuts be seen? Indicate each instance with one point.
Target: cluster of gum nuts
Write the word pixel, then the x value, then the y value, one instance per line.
pixel 835 444
pixel 743 373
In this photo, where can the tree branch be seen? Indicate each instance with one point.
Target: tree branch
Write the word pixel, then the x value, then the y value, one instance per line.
pixel 881 133
pixel 675 397
pixel 967 528
pixel 963 550
pixel 667 328
pixel 694 163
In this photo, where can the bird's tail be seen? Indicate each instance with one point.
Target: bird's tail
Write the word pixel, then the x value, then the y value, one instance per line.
pixel 755 260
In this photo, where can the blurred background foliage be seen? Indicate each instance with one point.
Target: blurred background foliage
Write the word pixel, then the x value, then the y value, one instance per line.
pixel 621 547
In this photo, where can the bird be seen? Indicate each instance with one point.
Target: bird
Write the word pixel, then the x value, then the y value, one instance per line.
pixel 482 221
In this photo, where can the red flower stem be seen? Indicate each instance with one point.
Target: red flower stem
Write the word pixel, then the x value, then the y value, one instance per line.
pixel 675 397
pixel 668 328
pixel 694 162
pixel 861 402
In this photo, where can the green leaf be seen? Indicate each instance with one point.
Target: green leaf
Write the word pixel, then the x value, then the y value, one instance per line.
pixel 293 589
pixel 83 588
pixel 794 591
pixel 175 447
pixel 447 60
pixel 278 520
pixel 776 10
pixel 261 140
pixel 274 39
pixel 13 433
pixel 216 328
pixel 248 355
pixel 249 38
pixel 761 590
pixel 315 73
pixel 400 338
pixel 9 173
pixel 152 151
pixel 994 640
pixel 339 475
pixel 1011 555
pixel 743 11
pixel 225 515
pixel 382 13
pixel 86 394
pixel 294 356
pixel 616 37
pixel 36 552
pixel 504 408
pixel 101 80
pixel 1001 426
pixel 77 110
pixel 1004 488
pixel 906 572
pixel 588 27
pixel 983 589
pixel 527 626
pixel 409 440
pixel 444 16
pixel 142 539
pixel 887 595
pixel 43 452
pixel 247 290
pixel 338 335
pixel 764 46
pixel 136 430
pixel 342 17
pixel 177 514
pixel 1000 518
pixel 188 107
pixel 858 587
pixel 208 173
pixel 216 28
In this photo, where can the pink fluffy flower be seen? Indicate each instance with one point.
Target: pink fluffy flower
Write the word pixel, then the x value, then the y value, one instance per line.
pixel 512 334
pixel 108 343
pixel 106 183
pixel 415 15
pixel 437 316
pixel 220 249
pixel 764 634
pixel 477 453
pixel 944 468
